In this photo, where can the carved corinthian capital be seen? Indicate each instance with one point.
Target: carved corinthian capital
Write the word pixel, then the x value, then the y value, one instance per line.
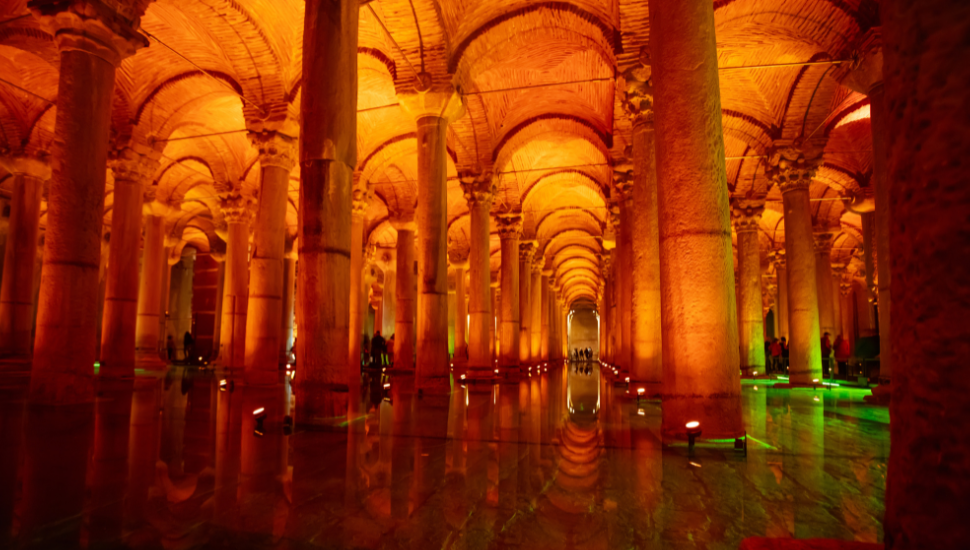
pixel 790 168
pixel 275 149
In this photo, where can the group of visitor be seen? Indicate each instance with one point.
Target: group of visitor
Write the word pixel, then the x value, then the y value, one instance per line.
pixel 188 347
pixel 776 354
pixel 582 354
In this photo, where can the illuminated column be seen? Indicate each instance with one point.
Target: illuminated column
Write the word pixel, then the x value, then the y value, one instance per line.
pixel 433 107
pixel 701 382
pixel 614 312
pixel 405 291
pixel 90 49
pixel 781 274
pixel 646 337
pixel 624 248
pixel 289 296
pixel 509 228
pixel 460 263
pixel 837 302
pixel 493 319
pixel 328 156
pixel 747 216
pixel 20 256
pixel 606 314
pixel 479 191
pixel 131 172
pixel 387 260
pixel 793 175
pixel 526 253
pixel 535 308
pixel 237 210
pixel 823 282
pixel 358 290
pixel 868 298
pixel 277 157
pixel 848 324
pixel 544 308
pixel 601 309
pixel 867 78
pixel 151 290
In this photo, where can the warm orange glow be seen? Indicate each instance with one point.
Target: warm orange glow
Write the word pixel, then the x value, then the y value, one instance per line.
pixel 693 424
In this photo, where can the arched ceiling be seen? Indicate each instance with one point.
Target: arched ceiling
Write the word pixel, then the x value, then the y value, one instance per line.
pixel 543 88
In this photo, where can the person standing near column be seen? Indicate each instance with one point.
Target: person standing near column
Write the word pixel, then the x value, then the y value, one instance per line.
pixel 20 255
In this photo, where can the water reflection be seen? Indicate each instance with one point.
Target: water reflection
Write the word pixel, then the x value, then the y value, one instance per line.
pixel 559 459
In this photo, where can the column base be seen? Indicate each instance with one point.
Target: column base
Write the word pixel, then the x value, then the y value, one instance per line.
pixel 881 394
pixel 149 360
pixel 321 405
pixel 436 385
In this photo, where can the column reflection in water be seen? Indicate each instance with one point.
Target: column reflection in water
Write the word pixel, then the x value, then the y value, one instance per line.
pixel 109 461
pixel 11 452
pixel 807 462
pixel 143 439
pixel 262 500
pixel 478 433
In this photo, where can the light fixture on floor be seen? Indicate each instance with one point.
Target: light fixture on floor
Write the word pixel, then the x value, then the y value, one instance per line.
pixel 226 385
pixel 260 416
pixel 693 432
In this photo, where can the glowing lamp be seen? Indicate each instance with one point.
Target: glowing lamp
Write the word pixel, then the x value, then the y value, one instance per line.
pixel 260 415
pixel 693 432
pixel 387 385
pixel 816 398
pixel 496 371
pixel 756 388
pixel 627 378
pixel 693 424
pixel 226 385
pixel 640 412
pixel 640 391
pixel 815 380
pixel 463 377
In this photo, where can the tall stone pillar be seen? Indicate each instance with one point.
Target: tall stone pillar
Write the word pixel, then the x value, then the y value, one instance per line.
pixel 132 172
pixel 927 134
pixel 601 309
pixel 509 228
pixel 544 308
pixel 92 44
pixel 700 382
pixel 747 216
pixel 847 308
pixel 358 290
pixel 624 249
pixel 328 156
pixel 20 255
pixel 493 318
pixel 277 155
pixel 154 268
pixel 479 191
pixel 387 260
pixel 180 297
pixel 460 263
pixel 526 253
pixel 793 174
pixel 781 274
pixel 646 337
pixel 405 291
pixel 237 209
pixel 289 299
pixel 605 315
pixel 837 302
pixel 867 77
pixel 535 308
pixel 433 108
pixel 823 282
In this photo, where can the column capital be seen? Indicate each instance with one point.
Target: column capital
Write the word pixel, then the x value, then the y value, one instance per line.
pixel 777 258
pixel 526 251
pixel 478 186
pixel 402 220
pixel 509 226
pixel 35 166
pixel 237 206
pixel 275 149
pixel 864 74
pixel 458 258
pixel 134 166
pixel 746 214
pixel 622 185
pixel 428 99
pixel 386 258
pixel 359 202
pixel 90 26
pixel 790 168
pixel 637 86
pixel 290 246
pixel 845 287
pixel 538 260
pixel 824 239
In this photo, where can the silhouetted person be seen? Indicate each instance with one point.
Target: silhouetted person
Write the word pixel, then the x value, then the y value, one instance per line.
pixel 170 347
pixel 784 352
pixel 842 352
pixel 378 347
pixel 775 354
pixel 826 351
pixel 188 345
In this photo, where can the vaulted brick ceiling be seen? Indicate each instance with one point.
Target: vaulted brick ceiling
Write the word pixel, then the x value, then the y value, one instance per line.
pixel 543 86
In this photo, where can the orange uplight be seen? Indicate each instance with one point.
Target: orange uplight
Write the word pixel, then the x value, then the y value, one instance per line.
pixel 259 411
pixel 640 391
pixel 693 424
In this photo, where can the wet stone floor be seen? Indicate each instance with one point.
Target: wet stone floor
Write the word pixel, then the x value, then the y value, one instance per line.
pixel 559 460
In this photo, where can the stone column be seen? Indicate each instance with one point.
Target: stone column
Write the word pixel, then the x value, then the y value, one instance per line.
pixel 91 49
pixel 701 382
pixel 781 274
pixel 460 263
pixel 526 254
pixel 846 306
pixel 358 291
pixel 277 156
pixel 837 302
pixel 544 308
pixel 180 297
pixel 387 260
pixel 289 299
pixel 154 267
pixel 237 209
pixel 479 191
pixel 493 321
pixel 601 309
pixel 132 172
pixel 927 135
pixel 433 108
pixel 793 174
pixel 405 291
pixel 328 156
pixel 646 337
pixel 624 249
pixel 20 255
pixel 535 308
pixel 605 319
pixel 867 77
pixel 747 216
pixel 823 282
pixel 509 228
